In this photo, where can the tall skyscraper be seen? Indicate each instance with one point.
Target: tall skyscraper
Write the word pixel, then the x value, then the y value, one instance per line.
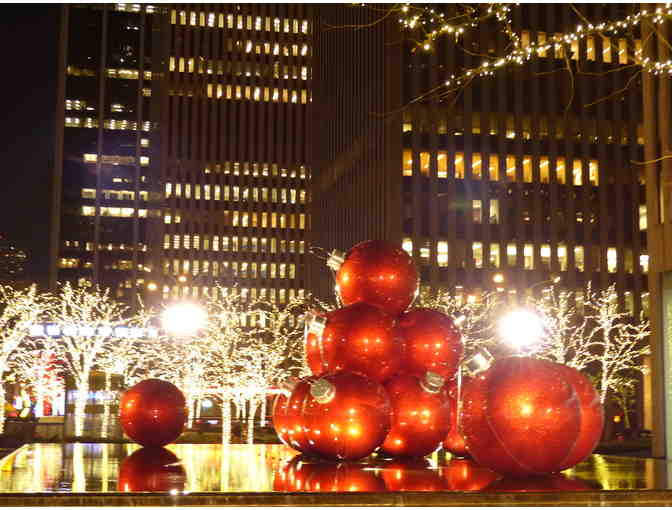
pixel 499 186
pixel 181 148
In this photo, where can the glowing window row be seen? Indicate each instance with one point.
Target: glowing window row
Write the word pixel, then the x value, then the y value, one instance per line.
pixel 236 193
pixel 233 243
pixel 257 170
pixel 262 94
pixel 149 9
pixel 281 296
pixel 115 212
pixel 88 246
pixel 511 162
pixel 92 122
pixel 201 65
pixel 613 51
pixel 257 220
pixel 253 270
pixel 115 194
pixel 108 159
pixel 240 22
pixel 543 259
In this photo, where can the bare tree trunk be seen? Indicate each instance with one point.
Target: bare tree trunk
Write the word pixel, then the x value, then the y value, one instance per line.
pixel 39 402
pixel 106 405
pixel 264 403
pixel 190 415
pixel 80 405
pixel 199 405
pixel 2 414
pixel 226 421
pixel 250 421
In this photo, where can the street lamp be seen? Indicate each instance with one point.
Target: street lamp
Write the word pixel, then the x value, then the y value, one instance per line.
pixel 183 319
pixel 521 328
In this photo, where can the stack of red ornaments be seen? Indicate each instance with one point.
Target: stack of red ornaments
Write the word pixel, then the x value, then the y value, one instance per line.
pixel 379 369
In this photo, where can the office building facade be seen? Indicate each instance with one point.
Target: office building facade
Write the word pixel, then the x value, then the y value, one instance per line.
pixel 181 149
pixel 499 186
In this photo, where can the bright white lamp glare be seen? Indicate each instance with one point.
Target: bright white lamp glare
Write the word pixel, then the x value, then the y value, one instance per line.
pixel 521 329
pixel 183 319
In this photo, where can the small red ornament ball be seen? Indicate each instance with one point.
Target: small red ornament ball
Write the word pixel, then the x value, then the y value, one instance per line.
pixel 379 273
pixel 454 441
pixel 592 416
pixel 152 412
pixel 347 416
pixel 466 475
pixel 431 342
pixel 420 415
pixel 151 469
pixel 358 338
pixel 401 475
pixel 521 417
pixel 292 426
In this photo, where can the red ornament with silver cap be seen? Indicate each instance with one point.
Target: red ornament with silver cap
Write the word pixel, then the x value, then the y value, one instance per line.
pixel 379 273
pixel 420 415
pixel 358 338
pixel 346 416
pixel 292 419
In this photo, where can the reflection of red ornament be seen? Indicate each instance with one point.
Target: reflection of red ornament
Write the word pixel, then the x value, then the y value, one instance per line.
pixel 379 273
pixel 521 417
pixel 151 470
pixel 552 483
pixel 359 338
pixel 347 416
pixel 344 477
pixel 454 442
pixel 293 419
pixel 466 475
pixel 431 342
pixel 410 475
pixel 592 416
pixel 152 412
pixel 420 415
pixel 293 476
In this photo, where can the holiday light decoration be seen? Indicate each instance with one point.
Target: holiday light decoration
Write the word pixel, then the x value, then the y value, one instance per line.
pixel 152 412
pixel 378 273
pixel 430 23
pixel 358 338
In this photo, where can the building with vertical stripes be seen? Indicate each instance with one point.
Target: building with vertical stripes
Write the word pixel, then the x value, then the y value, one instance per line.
pixel 181 156
pixel 499 186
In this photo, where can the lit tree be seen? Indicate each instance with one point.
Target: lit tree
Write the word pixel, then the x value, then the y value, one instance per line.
pixel 474 317
pixel 35 365
pixel 19 310
pixel 623 393
pixel 617 342
pixel 87 318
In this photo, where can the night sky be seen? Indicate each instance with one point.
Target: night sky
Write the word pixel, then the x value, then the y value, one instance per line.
pixel 29 53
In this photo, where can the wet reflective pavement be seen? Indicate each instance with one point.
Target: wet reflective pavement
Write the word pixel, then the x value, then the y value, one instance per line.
pixel 275 474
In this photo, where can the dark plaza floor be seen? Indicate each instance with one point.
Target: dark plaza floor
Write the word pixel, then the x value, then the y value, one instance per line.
pixel 273 475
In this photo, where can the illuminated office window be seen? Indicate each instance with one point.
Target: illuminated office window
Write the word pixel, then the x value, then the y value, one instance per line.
pixel 562 257
pixel 494 167
pixel 494 255
pixel 477 250
pixel 544 173
pixel 494 211
pixel 407 163
pixel 459 165
pixel 622 51
pixel 424 163
pixel 527 169
pixel 476 167
pixel 541 39
pixel 511 254
pixel 606 49
pixel 528 256
pixel 442 167
pixel 590 48
pixel 593 172
pixel 628 261
pixel 546 256
pixel 407 245
pixel 560 170
pixel 579 259
pixel 612 260
pixel 511 168
pixel 642 217
pixel 644 263
pixel 477 211
pixel 577 172
pixel 441 253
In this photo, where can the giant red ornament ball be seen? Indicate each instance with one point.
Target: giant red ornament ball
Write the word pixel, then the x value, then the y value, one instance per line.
pixel 279 417
pixel 420 415
pixel 378 273
pixel 521 417
pixel 290 417
pixel 358 338
pixel 431 342
pixel 592 416
pixel 152 412
pixel 151 470
pixel 346 416
pixel 454 441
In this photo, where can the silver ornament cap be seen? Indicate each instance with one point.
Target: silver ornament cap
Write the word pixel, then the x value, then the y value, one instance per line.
pixel 322 391
pixel 336 259
pixel 432 382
